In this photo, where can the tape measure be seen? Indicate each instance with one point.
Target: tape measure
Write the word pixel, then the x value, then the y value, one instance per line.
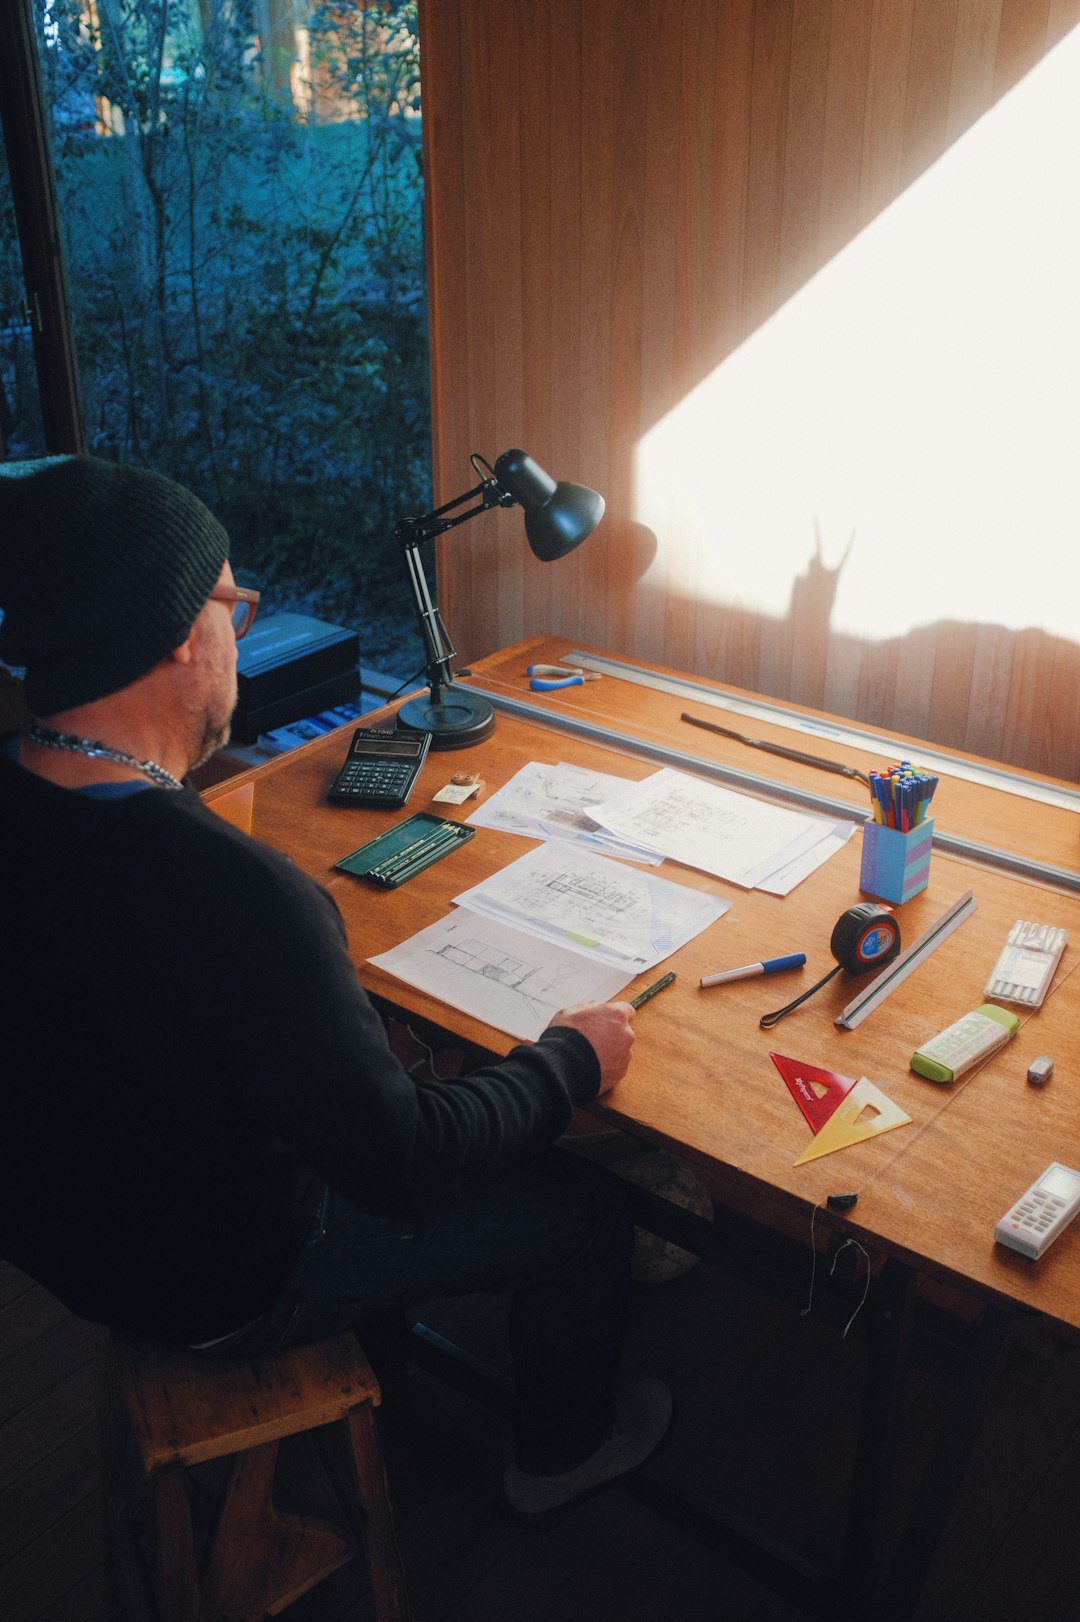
pixel 865 937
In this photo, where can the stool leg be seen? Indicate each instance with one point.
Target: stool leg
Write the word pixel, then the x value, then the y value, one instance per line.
pixel 126 1494
pixel 263 1558
pixel 384 1557
pixel 178 1578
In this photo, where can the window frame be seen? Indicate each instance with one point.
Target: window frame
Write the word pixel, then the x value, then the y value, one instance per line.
pixel 33 189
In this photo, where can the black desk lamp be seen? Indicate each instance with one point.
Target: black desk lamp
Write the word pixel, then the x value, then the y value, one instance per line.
pixel 558 517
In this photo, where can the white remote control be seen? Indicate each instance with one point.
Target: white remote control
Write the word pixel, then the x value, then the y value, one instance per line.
pixel 1044 1212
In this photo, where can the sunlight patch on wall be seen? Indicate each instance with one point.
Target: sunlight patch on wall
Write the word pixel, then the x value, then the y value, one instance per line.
pixel 922 391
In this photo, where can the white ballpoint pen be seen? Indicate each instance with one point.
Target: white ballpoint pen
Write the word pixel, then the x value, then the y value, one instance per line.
pixel 769 965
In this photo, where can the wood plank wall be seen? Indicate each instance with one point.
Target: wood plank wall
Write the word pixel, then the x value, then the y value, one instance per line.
pixel 619 193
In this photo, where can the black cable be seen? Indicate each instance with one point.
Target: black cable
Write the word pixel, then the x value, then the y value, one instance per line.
pixel 767 1021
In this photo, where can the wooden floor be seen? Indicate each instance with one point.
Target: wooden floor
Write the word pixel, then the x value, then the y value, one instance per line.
pixel 766 1407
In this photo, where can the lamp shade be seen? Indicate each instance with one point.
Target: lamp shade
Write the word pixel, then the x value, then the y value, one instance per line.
pixel 558 517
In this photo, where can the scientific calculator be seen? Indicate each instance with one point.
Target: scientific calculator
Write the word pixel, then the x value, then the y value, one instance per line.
pixel 380 768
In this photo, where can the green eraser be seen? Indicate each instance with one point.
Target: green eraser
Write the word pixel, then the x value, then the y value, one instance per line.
pixel 1011 1022
pixel 925 1066
pixel 965 1043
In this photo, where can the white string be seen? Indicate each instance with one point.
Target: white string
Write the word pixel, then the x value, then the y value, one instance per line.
pixel 866 1285
pixel 809 1307
pixel 813 1272
pixel 414 1067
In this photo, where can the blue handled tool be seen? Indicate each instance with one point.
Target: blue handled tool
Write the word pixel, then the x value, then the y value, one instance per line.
pixel 543 684
pixel 548 678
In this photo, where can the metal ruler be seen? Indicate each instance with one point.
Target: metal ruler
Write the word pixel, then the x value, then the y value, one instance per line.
pixel 809 799
pixel 970 771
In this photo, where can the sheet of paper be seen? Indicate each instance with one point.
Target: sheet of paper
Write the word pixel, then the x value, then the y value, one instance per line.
pixel 595 906
pixel 501 975
pixel 833 837
pixel 542 801
pixel 734 836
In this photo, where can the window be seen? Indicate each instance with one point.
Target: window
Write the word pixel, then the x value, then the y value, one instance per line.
pixel 240 196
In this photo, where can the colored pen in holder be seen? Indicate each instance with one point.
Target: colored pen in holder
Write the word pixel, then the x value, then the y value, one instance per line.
pixel 897 844
pixel 900 796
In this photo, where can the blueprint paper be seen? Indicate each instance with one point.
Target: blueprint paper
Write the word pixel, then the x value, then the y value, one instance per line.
pixel 554 802
pixel 509 979
pixel 736 837
pixel 595 906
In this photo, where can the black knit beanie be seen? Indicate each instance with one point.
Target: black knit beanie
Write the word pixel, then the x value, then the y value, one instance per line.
pixel 103 571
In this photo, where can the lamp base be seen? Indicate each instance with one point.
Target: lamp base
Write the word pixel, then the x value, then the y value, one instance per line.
pixel 460 718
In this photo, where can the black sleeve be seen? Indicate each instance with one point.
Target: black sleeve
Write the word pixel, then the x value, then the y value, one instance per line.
pixel 320 1074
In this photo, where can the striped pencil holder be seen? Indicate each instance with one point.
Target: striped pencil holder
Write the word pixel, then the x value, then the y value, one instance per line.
pixel 895 866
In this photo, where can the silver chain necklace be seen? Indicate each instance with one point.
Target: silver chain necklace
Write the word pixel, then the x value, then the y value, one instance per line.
pixel 84 746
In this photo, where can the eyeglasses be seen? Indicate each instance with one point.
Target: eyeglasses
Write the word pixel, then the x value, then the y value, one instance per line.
pixel 244 604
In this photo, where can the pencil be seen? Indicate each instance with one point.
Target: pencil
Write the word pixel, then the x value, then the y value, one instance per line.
pixel 650 991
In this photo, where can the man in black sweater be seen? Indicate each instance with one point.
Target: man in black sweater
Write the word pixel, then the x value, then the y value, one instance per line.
pixel 208 1140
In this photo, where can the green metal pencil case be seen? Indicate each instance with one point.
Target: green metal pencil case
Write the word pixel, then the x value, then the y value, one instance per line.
pixel 405 850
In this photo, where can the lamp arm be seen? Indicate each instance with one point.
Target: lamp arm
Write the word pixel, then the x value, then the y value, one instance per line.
pixel 438 648
pixel 414 531
pixel 410 534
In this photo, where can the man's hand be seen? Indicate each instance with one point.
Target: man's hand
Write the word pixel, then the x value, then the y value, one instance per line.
pixel 608 1028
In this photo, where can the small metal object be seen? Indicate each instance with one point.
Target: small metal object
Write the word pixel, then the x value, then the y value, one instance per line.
pixel 842 1202
pixel 1040 1070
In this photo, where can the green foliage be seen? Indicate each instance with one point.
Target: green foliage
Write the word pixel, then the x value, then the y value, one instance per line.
pixel 246 267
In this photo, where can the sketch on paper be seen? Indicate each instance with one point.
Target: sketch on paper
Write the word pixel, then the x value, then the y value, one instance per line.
pixel 735 836
pixel 486 960
pixel 542 801
pixel 595 906
pixel 543 985
pixel 513 981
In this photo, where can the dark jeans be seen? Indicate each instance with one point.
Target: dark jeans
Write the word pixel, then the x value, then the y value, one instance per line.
pixel 556 1233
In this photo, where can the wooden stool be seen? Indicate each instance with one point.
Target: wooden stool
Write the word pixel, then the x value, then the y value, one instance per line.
pixel 183 1411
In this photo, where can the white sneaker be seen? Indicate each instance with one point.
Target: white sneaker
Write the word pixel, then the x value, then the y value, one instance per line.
pixel 642 1416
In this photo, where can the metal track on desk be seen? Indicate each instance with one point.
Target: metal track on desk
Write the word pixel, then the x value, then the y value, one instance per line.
pixel 951 844
pixel 999 777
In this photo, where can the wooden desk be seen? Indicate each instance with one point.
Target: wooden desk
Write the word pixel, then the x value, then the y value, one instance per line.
pixel 702 1082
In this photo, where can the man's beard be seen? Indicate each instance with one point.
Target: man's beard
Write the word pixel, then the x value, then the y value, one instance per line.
pixel 215 736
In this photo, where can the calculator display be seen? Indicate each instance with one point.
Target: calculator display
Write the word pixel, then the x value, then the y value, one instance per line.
pixel 409 748
pixel 380 768
pixel 1060 1183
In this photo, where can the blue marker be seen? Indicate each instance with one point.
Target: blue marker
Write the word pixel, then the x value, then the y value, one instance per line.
pixel 770 965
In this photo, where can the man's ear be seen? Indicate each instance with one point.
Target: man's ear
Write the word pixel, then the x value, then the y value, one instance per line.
pixel 185 652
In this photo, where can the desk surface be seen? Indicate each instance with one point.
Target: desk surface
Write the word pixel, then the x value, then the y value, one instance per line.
pixel 702 1082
